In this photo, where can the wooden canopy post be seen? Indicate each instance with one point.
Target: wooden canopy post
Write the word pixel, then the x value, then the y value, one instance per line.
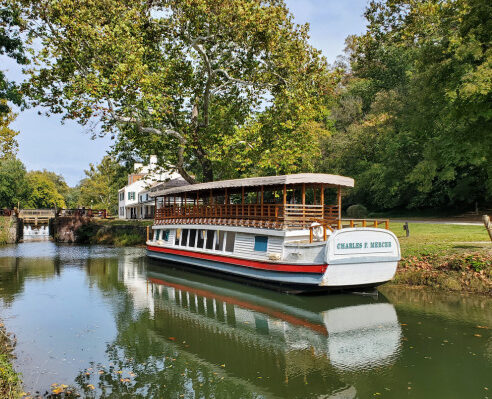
pixel 322 201
pixel 261 202
pixel 303 203
pixel 339 202
pixel 285 195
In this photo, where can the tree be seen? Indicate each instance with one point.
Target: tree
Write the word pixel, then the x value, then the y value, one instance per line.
pixel 100 188
pixel 10 45
pixel 8 143
pixel 215 88
pixel 43 193
pixel 13 184
pixel 415 112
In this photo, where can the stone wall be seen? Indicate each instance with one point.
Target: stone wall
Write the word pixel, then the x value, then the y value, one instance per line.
pixel 10 229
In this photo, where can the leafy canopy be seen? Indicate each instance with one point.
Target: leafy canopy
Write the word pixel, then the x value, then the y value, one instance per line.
pixel 216 89
pixel 414 119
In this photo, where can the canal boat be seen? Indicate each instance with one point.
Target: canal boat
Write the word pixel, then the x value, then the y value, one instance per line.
pixel 282 231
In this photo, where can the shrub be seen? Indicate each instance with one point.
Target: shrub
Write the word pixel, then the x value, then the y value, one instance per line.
pixel 357 211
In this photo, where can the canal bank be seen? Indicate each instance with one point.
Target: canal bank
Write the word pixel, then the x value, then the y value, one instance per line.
pixel 10 229
pixel 84 230
pixel 10 380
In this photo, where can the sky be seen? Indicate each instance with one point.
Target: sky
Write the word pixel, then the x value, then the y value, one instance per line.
pixel 67 149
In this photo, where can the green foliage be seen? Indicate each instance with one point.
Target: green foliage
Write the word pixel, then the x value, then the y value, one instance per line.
pixel 14 187
pixel 8 143
pixel 10 380
pixel 12 46
pixel 43 192
pixel 217 89
pixel 99 189
pixel 357 211
pixel 415 110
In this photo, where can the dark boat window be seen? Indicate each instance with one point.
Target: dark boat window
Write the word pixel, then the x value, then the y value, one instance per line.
pixel 165 235
pixel 157 233
pixel 201 239
pixel 219 242
pixel 192 238
pixel 210 239
pixel 231 236
pixel 261 243
pixel 184 237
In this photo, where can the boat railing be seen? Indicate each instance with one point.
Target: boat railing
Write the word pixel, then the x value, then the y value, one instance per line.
pixel 261 215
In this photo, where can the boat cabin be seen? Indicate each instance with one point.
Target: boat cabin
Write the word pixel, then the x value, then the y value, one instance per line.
pixel 273 202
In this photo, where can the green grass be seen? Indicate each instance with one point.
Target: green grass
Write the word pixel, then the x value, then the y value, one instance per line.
pixel 441 239
pixel 447 257
pixel 124 222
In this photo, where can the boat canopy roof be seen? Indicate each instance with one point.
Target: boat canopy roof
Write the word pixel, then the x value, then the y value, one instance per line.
pixel 256 182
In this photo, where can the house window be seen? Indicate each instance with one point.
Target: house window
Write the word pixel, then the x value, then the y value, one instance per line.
pixel 219 242
pixel 192 238
pixel 184 237
pixel 122 196
pixel 210 239
pixel 230 238
pixel 200 239
pixel 131 195
pixel 261 243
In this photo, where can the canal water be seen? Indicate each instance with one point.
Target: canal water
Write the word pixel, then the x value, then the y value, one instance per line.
pixel 108 322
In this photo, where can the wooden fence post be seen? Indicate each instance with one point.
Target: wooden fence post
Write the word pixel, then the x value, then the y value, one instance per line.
pixel 488 225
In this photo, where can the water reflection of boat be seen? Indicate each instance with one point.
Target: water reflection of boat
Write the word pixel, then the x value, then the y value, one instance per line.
pixel 345 332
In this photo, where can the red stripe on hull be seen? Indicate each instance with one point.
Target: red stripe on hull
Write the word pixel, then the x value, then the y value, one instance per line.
pixel 243 304
pixel 319 269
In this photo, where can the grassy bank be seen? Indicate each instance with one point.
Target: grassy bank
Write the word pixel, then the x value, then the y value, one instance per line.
pixel 112 232
pixel 10 383
pixel 450 257
pixel 4 229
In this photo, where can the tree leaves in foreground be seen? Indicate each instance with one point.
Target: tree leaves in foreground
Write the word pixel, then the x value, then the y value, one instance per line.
pixel 216 89
pixel 10 45
pixel 414 119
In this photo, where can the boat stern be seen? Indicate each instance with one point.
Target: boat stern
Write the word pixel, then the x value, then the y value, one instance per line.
pixel 360 257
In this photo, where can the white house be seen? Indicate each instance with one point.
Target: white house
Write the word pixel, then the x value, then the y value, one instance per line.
pixel 134 201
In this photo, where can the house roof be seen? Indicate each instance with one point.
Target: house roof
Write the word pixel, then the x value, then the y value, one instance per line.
pixel 251 182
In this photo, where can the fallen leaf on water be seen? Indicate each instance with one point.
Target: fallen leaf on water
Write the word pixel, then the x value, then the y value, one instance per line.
pixel 120 372
pixel 124 379
pixel 403 324
pixel 482 327
pixel 477 335
pixel 222 365
pixel 101 372
pixel 90 386
pixel 172 338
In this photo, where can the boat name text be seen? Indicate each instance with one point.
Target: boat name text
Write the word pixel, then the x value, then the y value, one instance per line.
pixel 360 245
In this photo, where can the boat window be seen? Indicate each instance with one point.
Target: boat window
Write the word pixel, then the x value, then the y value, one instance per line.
pixel 177 237
pixel 219 242
pixel 184 238
pixel 200 239
pixel 157 234
pixel 165 235
pixel 192 238
pixel 210 239
pixel 261 243
pixel 230 238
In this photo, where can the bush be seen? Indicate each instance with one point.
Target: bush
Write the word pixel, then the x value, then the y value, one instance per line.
pixel 357 211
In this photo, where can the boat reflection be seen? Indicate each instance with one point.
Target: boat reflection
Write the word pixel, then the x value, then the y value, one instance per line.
pixel 350 331
pixel 262 341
